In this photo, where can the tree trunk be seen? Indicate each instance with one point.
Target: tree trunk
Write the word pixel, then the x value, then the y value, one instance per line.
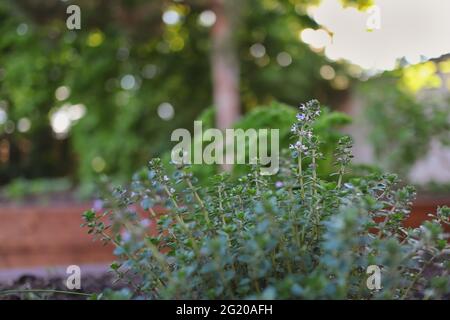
pixel 225 65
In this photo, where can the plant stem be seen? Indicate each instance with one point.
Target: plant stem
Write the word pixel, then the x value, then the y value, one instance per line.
pixel 180 219
pixel 199 200
pixel 300 172
pixel 416 278
pixel 293 216
pixel 314 201
pixel 152 212
pixel 8 292
pixel 341 173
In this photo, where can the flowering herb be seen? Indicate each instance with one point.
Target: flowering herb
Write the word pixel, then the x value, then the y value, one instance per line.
pixel 293 235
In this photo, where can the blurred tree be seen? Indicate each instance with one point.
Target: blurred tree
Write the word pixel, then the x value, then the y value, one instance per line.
pixel 139 68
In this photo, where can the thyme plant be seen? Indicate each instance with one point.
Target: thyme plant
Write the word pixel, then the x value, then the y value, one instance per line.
pixel 288 236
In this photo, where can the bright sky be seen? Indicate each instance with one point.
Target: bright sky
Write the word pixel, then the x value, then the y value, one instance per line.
pixel 414 29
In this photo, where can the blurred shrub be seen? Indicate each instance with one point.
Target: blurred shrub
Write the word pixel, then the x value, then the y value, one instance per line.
pixel 21 189
pixel 401 125
pixel 276 116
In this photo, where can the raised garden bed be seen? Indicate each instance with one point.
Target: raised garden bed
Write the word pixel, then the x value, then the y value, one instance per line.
pixel 425 205
pixel 45 236
pixel 32 236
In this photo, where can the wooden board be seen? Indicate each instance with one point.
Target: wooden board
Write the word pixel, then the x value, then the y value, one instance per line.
pixel 47 236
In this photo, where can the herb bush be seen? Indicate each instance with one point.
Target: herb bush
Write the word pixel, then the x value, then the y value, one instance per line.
pixel 291 235
pixel 275 115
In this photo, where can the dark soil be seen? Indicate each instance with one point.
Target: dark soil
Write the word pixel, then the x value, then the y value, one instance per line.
pixel 90 285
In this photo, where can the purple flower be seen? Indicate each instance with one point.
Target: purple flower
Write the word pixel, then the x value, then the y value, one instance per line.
pixel 301 117
pixel 126 236
pixel 279 184
pixel 306 134
pixel 98 205
pixel 145 223
pixel 296 146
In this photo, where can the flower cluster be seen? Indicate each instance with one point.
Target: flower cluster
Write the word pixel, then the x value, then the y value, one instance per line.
pixel 343 157
pixel 308 112
pixel 343 151
pixel 303 128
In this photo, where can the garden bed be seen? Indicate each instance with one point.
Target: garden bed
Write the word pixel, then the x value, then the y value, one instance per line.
pixel 45 236
pixel 32 236
pixel 423 206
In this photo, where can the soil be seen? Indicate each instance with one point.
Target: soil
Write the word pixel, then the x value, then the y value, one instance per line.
pixel 90 284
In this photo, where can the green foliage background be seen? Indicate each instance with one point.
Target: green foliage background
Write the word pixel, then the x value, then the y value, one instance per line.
pixel 121 126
